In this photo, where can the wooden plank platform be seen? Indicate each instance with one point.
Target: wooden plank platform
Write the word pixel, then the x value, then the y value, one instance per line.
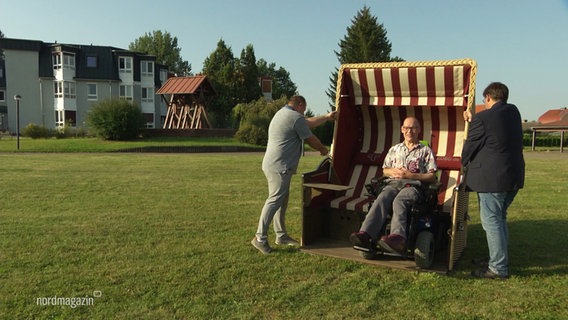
pixel 328 186
pixel 344 250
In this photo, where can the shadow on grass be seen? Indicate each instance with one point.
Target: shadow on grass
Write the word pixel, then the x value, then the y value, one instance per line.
pixel 536 248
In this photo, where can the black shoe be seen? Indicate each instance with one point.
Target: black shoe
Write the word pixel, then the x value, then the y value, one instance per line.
pixel 481 262
pixel 361 241
pixel 485 273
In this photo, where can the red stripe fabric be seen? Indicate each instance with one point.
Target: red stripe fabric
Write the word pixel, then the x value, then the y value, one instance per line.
pixel 444 86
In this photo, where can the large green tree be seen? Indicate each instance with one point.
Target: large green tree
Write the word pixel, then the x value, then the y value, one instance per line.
pixel 165 48
pixel 220 70
pixel 366 41
pixel 248 86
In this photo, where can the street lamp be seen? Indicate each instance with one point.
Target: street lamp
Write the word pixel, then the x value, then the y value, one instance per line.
pixel 17 98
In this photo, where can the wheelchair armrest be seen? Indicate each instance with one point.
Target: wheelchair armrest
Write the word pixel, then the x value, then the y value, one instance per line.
pixel 375 186
pixel 434 186
pixel 430 199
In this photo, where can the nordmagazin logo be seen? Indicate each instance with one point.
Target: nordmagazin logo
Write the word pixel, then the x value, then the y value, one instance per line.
pixel 72 302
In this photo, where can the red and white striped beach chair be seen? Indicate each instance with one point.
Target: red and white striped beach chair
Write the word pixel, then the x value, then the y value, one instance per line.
pixel 372 101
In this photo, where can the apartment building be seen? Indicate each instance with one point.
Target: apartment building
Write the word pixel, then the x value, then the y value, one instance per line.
pixel 3 97
pixel 58 83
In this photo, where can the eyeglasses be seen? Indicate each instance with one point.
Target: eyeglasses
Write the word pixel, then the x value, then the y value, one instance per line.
pixel 409 128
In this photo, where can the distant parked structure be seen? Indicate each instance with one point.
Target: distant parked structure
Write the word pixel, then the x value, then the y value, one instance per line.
pixel 554 120
pixel 266 87
pixel 59 82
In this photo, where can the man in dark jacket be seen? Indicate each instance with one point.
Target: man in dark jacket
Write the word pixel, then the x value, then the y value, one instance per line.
pixel 493 156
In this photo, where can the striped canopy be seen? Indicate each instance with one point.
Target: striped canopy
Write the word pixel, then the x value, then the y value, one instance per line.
pixel 435 83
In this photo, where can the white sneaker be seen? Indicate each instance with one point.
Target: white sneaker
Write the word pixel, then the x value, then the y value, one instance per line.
pixel 286 240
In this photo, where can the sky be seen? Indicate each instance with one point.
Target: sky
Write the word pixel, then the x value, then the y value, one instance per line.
pixel 522 43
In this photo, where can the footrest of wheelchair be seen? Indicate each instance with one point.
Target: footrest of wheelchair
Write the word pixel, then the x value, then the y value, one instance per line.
pixel 361 248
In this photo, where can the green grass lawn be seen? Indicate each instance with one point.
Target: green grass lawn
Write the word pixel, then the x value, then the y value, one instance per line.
pixel 10 143
pixel 166 236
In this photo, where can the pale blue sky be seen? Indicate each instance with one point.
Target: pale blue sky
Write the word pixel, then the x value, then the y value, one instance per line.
pixel 523 43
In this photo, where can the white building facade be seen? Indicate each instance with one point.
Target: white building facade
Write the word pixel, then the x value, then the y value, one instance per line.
pixel 59 83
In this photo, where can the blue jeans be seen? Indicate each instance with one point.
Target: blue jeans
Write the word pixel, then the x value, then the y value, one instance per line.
pixel 275 205
pixel 493 214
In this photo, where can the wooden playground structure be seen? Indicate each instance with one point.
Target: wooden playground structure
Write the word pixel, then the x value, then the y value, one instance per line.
pixel 186 98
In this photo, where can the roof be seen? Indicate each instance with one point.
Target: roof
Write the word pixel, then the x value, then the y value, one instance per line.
pixel 479 108
pixel 553 120
pixel 106 59
pixel 554 115
pixel 552 126
pixel 187 85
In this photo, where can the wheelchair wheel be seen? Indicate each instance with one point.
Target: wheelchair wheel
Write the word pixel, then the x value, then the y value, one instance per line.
pixel 424 250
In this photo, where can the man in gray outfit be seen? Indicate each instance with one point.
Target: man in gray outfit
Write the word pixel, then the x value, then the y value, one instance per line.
pixel 286 135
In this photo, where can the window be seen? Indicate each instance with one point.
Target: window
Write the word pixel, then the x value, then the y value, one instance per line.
pixel 69 89
pixel 125 64
pixel 149 117
pixel 59 118
pixel 147 68
pixel 70 118
pixel 64 89
pixel 148 94
pixel 2 96
pixel 91 61
pixel 65 116
pixel 163 75
pixel 125 92
pixel 68 61
pixel 1 73
pixel 63 59
pixel 58 89
pixel 92 91
pixel 56 61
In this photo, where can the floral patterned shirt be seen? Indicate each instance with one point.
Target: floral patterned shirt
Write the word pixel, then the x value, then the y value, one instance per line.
pixel 418 160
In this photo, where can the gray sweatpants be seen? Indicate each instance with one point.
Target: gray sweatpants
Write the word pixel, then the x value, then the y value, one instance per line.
pixel 390 200
pixel 275 205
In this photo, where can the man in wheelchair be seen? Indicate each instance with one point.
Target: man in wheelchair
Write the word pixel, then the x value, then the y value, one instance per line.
pixel 407 167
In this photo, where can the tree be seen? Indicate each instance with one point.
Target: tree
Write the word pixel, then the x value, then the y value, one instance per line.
pixel 366 41
pixel 165 48
pixel 248 76
pixel 220 69
pixel 282 85
pixel 236 81
pixel 1 34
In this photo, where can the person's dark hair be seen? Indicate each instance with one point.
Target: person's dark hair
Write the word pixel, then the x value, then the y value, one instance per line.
pixel 296 100
pixel 497 91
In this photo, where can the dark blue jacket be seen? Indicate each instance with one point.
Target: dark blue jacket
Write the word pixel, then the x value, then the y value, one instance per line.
pixel 493 151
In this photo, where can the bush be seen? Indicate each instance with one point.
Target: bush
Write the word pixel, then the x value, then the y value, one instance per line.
pixel 254 119
pixel 253 133
pixel 116 120
pixel 544 140
pixel 35 131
